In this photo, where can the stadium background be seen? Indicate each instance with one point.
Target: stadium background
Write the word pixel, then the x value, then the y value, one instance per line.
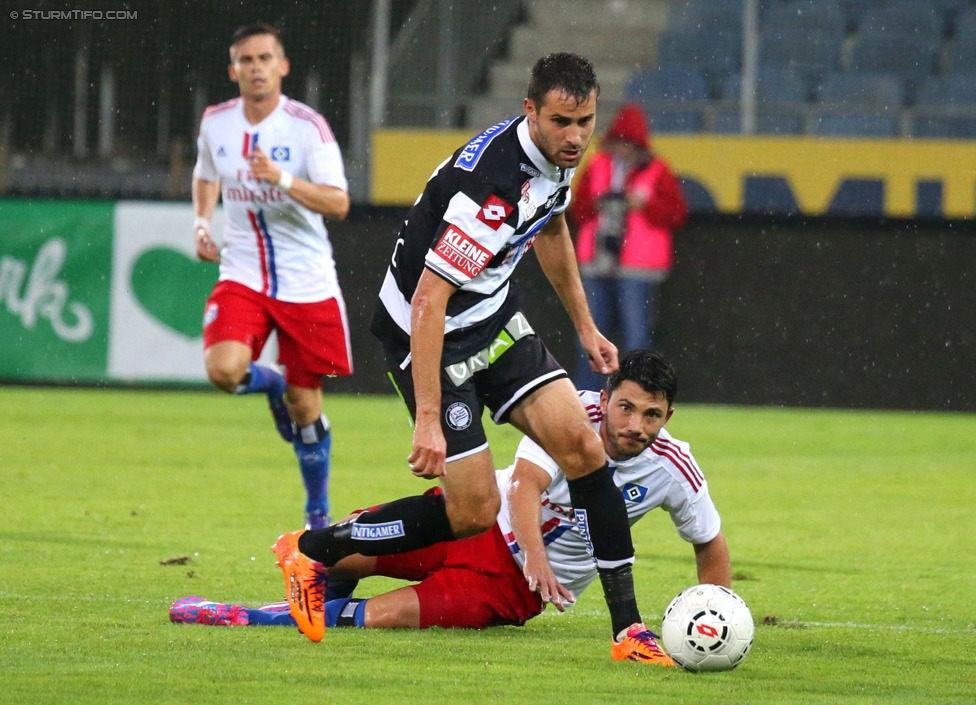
pixel 815 271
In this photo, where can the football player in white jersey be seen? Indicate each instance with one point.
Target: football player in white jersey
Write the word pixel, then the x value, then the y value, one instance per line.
pixel 278 169
pixel 488 579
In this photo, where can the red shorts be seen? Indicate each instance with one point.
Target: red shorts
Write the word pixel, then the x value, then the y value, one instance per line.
pixel 472 583
pixel 313 338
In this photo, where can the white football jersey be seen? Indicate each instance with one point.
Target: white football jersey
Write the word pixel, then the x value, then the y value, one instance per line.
pixel 271 243
pixel 665 475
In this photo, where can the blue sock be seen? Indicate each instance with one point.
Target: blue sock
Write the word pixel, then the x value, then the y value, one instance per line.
pixel 313 444
pixel 345 612
pixel 273 615
pixel 260 379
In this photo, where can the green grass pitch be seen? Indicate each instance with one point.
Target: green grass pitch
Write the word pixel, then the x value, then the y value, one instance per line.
pixel 851 536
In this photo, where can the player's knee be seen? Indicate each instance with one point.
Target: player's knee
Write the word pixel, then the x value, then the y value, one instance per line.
pixel 224 375
pixel 474 515
pixel 582 455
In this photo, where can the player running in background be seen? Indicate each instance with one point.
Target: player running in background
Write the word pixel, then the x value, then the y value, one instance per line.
pixel 479 582
pixel 278 168
pixel 455 342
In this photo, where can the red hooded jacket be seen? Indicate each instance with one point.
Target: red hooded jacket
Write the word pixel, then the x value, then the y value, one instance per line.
pixel 647 243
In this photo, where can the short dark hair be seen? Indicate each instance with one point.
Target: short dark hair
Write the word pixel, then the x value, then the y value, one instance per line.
pixel 564 72
pixel 650 370
pixel 254 30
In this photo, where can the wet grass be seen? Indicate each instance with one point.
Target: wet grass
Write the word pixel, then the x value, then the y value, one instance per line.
pixel 849 531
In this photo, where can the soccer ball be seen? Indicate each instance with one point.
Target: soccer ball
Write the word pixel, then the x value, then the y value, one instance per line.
pixel 707 628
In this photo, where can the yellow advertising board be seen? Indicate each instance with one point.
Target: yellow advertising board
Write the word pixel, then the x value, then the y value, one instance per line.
pixel 731 174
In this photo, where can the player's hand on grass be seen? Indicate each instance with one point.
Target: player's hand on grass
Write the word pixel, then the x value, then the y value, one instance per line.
pixel 541 579
pixel 429 449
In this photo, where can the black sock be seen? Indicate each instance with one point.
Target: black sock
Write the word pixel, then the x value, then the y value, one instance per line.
pixel 601 515
pixel 403 525
pixel 618 589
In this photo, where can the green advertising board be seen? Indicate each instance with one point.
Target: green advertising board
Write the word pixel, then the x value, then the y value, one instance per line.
pixel 93 292
pixel 55 279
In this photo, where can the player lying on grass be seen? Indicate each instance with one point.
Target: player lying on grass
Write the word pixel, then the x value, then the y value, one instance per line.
pixel 480 581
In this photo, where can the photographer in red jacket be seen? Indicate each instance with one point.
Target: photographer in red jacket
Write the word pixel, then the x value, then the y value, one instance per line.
pixel 626 203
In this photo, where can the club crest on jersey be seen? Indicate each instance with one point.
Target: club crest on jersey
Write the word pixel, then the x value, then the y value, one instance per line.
pixel 468 158
pixel 494 212
pixel 556 197
pixel 528 203
pixel 462 252
pixel 458 416
pixel 634 494
pixel 280 154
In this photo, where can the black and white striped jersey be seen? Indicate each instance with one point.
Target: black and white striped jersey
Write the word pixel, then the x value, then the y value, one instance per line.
pixel 478 215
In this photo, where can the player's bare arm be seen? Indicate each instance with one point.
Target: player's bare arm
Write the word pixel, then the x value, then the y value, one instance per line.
pixel 325 200
pixel 713 562
pixel 427 315
pixel 205 195
pixel 529 481
pixel 554 250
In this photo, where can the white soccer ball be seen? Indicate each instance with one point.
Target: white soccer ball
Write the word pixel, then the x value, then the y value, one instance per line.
pixel 707 628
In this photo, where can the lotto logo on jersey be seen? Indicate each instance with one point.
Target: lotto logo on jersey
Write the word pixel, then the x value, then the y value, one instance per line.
pixel 461 251
pixel 494 212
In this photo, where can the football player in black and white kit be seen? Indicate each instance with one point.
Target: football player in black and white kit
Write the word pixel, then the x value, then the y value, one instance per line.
pixel 456 342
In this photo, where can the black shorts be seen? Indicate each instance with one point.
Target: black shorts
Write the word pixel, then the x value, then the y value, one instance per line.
pixel 499 377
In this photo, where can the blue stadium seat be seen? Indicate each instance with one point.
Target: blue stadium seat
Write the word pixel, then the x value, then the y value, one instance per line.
pixel 804 16
pixel 883 90
pixel 953 89
pixel 666 83
pixel 698 14
pixel 714 52
pixel 676 120
pixel 931 127
pixel 812 53
pixel 965 23
pixel 773 86
pixel 922 19
pixel 959 55
pixel 728 122
pixel 885 51
pixel 854 125
pixel 663 91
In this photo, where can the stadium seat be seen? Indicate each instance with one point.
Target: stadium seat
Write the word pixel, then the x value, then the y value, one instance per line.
pixel 811 53
pixel 882 90
pixel 934 127
pixel 698 14
pixel 886 51
pixel 959 55
pixel 768 122
pixel 676 120
pixel 672 83
pixel 964 25
pixel 774 85
pixel 922 19
pixel 953 89
pixel 804 16
pixel 854 125
pixel 716 53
